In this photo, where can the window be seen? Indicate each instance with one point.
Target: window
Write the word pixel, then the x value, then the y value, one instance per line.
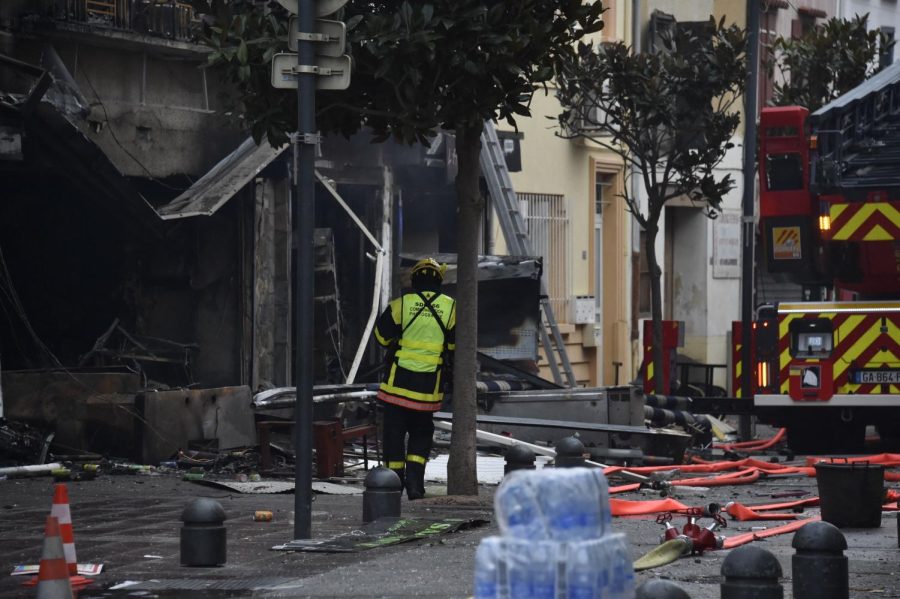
pixel 661 27
pixel 805 22
pixel 783 172
pixel 546 217
pixel 886 53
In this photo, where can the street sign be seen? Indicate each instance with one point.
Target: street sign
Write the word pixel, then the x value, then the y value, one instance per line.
pixel 332 37
pixel 331 72
pixel 323 7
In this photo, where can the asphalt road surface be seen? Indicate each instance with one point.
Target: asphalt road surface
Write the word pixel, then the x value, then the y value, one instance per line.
pixel 131 524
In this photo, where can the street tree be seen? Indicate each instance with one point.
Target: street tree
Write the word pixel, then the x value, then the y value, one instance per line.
pixel 419 67
pixel 826 62
pixel 671 115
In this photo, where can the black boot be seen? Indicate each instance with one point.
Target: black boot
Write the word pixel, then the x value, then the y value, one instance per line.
pixel 400 473
pixel 415 480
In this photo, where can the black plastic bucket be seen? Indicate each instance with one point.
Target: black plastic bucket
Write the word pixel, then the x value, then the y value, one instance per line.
pixel 851 494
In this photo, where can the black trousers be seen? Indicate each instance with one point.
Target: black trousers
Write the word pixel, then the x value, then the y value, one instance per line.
pixel 400 455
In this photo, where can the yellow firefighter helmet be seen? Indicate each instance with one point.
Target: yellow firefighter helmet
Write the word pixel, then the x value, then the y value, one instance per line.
pixel 429 267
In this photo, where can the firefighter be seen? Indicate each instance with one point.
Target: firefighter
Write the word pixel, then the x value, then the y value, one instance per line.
pixel 417 329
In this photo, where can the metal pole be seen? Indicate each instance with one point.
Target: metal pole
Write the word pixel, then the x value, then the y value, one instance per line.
pixel 747 257
pixel 304 257
pixel 636 48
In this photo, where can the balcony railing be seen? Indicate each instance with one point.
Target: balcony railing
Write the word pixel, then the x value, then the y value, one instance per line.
pixel 163 18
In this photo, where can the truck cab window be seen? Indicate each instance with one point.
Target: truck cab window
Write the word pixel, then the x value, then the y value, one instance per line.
pixel 783 172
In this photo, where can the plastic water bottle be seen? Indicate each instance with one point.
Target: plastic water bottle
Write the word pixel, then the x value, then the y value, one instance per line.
pixel 604 518
pixel 488 558
pixel 560 504
pixel 621 582
pixel 518 568
pixel 569 500
pixel 581 578
pixel 518 512
pixel 602 565
pixel 544 558
pixel 532 569
pixel 596 502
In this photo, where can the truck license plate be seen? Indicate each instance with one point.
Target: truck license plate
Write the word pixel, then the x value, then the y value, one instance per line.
pixel 878 377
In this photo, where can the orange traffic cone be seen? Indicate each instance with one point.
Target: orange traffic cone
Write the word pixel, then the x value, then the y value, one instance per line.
pixel 53 576
pixel 60 511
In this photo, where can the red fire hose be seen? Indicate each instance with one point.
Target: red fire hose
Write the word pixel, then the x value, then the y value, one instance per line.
pixel 624 507
pixel 756 444
pixel 738 540
pixel 741 477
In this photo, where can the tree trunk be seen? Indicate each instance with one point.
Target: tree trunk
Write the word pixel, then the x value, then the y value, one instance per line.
pixel 461 474
pixel 656 382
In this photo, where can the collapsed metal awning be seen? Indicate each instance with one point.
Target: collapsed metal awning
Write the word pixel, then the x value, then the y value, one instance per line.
pixel 223 181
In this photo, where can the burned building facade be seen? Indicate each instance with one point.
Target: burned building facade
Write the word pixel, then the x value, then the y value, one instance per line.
pixel 145 237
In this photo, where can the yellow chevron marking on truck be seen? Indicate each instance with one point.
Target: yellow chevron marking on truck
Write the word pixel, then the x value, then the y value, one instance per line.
pixel 853 352
pixel 858 219
pixel 855 222
pixel 784 331
pixel 784 327
pixel 835 210
pixel 845 329
pixel 891 212
pixel 843 332
pixel 877 234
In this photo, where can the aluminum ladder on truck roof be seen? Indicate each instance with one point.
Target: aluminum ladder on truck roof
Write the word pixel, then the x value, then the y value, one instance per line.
pixel 496 174
pixel 858 138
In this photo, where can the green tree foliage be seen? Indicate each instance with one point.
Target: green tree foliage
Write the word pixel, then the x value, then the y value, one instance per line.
pixel 828 61
pixel 669 114
pixel 418 67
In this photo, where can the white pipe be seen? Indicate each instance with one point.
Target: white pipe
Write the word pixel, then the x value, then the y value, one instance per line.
pixel 387 235
pixel 30 470
pixel 546 451
pixel 373 314
pixel 538 449
pixel 350 212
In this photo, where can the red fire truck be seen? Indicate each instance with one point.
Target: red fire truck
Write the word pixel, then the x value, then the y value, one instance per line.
pixel 828 364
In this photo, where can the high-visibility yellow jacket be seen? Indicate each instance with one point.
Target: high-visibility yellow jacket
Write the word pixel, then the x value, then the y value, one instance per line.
pixel 419 331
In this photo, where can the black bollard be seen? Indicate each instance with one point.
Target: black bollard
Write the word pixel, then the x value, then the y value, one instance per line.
pixel 518 457
pixel 569 453
pixel 819 567
pixel 382 495
pixel 751 572
pixel 658 588
pixel 203 541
